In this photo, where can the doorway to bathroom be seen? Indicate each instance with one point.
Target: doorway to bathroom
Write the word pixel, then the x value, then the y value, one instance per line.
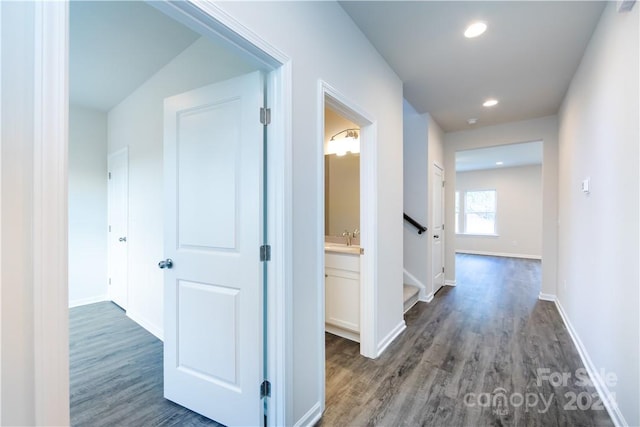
pixel 347 216
pixel 342 225
pixel 347 196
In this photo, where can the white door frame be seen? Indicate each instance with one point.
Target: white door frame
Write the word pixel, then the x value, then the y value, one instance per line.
pixel 368 218
pixel 51 376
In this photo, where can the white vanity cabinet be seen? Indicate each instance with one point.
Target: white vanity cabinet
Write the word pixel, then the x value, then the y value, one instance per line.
pixel 342 294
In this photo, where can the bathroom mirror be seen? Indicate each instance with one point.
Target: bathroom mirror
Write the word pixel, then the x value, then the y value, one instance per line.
pixel 341 176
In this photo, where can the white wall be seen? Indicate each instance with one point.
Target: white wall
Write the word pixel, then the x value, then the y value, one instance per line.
pixel 598 240
pixel 542 129
pixel 16 280
pixel 324 44
pixel 87 206
pixel 416 196
pixel 518 211
pixel 137 123
pixel 422 148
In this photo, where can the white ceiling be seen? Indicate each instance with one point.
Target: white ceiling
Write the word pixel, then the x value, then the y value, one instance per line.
pixel 115 46
pixel 528 153
pixel 526 59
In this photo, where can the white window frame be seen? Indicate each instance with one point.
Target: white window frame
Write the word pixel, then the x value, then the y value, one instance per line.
pixel 461 198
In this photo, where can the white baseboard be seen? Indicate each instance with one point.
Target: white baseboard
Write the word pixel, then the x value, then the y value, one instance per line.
pixel 415 301
pixel 427 298
pixel 312 416
pixel 87 301
pixel 390 337
pixel 150 327
pixel 344 333
pixel 608 398
pixel 450 282
pixel 547 297
pixel 500 254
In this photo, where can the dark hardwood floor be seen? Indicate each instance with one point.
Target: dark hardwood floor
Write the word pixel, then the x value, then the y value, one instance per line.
pixel 116 373
pixel 471 357
pixel 484 353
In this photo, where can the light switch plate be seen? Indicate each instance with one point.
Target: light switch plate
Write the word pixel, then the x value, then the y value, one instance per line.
pixel 585 185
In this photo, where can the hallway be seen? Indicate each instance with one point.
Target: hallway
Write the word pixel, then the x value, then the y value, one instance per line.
pixel 485 352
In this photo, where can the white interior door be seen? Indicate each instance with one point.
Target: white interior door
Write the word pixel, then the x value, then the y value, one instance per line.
pixel 437 228
pixel 213 152
pixel 118 206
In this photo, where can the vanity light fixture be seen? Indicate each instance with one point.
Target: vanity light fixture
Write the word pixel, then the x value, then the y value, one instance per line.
pixel 475 29
pixel 340 146
pixel 490 103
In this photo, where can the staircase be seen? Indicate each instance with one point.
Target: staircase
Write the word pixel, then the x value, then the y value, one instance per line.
pixel 411 294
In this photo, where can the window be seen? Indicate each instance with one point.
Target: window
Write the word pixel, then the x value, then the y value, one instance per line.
pixel 479 209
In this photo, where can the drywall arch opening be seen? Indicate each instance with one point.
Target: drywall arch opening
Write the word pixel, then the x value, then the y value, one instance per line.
pixel 499 200
pixel 543 129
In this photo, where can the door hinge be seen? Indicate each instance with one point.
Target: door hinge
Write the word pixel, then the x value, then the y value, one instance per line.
pixel 109 229
pixel 265 253
pixel 265 116
pixel 265 389
pixel 109 175
pixel 443 269
pixel 109 280
pixel 443 226
pixel 443 183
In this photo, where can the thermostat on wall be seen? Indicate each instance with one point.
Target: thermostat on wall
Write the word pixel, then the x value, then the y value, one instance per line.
pixel 585 185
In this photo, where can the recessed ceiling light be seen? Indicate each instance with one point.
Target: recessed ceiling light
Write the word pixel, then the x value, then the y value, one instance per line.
pixel 499 163
pixel 490 103
pixel 472 121
pixel 475 29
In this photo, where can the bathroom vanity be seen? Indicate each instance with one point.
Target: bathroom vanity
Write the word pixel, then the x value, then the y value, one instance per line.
pixel 342 290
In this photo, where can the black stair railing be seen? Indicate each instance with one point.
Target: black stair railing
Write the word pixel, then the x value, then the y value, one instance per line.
pixel 421 228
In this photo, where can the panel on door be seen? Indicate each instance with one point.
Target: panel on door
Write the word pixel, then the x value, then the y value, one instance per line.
pixel 118 208
pixel 437 245
pixel 213 228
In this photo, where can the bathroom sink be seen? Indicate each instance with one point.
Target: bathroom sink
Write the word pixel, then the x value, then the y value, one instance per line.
pixel 342 248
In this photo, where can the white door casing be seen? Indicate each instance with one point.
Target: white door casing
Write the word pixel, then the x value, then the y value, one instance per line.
pixel 51 375
pixel 437 227
pixel 213 157
pixel 118 213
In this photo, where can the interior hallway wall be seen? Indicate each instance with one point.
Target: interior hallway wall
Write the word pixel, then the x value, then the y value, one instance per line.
pixel 423 140
pixel 87 206
pixel 137 123
pixel 324 44
pixel 416 196
pixel 599 232
pixel 17 142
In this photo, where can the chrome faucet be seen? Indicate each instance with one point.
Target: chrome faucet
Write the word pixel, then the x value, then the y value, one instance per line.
pixel 348 236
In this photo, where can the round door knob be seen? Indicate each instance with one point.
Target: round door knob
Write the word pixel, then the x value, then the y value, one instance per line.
pixel 122 239
pixel 167 263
